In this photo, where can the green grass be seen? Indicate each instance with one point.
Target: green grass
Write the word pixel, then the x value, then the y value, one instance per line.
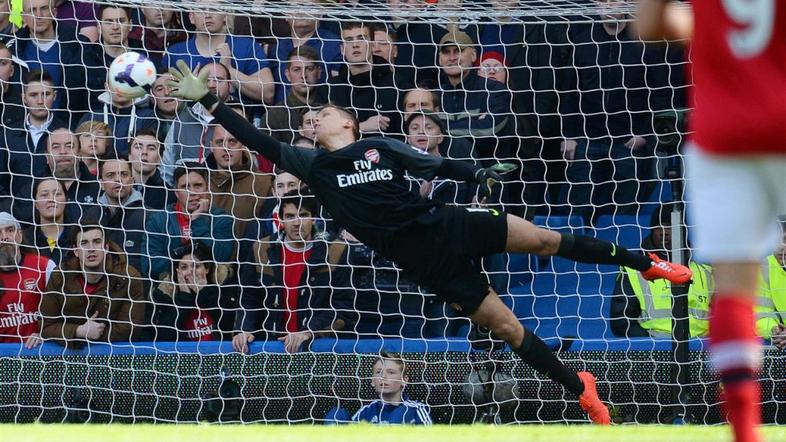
pixel 368 433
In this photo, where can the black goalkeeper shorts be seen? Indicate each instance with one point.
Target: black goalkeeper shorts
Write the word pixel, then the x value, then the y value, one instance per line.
pixel 444 257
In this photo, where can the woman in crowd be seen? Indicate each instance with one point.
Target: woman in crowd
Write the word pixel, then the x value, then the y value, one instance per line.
pixel 51 233
pixel 197 305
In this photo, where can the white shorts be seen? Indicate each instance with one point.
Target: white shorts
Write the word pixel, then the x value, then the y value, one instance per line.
pixel 735 202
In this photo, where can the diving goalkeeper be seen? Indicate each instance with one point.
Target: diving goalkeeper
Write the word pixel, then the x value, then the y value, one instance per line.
pixel 362 184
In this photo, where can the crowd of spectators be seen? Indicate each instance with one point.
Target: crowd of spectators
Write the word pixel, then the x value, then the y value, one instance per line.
pixel 142 219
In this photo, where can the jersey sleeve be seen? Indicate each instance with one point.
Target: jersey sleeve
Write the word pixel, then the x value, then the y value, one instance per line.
pixel 293 159
pixel 416 161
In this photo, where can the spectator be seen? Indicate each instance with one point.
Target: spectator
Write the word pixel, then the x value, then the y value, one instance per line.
pixel 475 107
pixel 364 83
pixel 303 295
pixel 52 230
pixel 607 107
pixel 93 139
pixel 269 223
pixel 11 107
pixel 641 308
pixel 306 127
pixel 38 96
pixel 384 45
pixel 389 379
pixel 160 28
pixel 197 305
pixel 165 107
pixel 23 139
pixel 493 66
pixel 419 99
pixel 536 54
pixel 123 115
pixel 114 27
pixel 62 162
pixel 23 275
pixel 57 49
pixel 188 135
pixel 771 308
pixel 234 185
pixel 122 212
pixel 425 101
pixel 190 218
pixel 145 157
pixel 426 132
pixel 303 70
pixel 94 295
pixel 306 32
pixel 243 57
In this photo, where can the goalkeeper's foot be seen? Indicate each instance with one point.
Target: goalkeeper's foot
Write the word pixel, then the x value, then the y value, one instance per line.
pixel 590 402
pixel 660 269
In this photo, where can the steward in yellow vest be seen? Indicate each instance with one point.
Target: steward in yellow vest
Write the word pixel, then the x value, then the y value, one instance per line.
pixel 641 308
pixel 771 299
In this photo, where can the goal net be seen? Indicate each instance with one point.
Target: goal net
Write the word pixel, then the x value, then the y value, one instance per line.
pixel 223 296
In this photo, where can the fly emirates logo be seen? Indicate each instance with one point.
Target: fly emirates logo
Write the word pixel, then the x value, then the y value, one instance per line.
pixel 15 316
pixel 365 171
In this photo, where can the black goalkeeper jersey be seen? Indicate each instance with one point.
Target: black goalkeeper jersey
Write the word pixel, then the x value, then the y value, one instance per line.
pixel 363 185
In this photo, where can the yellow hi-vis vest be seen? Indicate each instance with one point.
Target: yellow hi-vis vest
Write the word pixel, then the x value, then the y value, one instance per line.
pixel 16 13
pixel 771 299
pixel 655 301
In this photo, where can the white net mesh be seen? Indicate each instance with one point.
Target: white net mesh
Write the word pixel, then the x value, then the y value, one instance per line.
pixel 206 261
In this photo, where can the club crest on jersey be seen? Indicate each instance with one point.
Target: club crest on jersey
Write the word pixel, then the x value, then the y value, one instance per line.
pixel 372 155
pixel 30 284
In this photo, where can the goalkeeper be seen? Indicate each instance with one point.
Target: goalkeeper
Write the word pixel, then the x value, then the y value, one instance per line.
pixel 363 186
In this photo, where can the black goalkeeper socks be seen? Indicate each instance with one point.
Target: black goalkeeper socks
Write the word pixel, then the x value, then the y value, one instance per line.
pixel 534 352
pixel 594 251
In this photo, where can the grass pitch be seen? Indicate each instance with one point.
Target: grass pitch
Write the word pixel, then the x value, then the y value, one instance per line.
pixel 368 433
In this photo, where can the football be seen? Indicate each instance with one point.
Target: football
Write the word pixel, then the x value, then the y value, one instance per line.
pixel 131 75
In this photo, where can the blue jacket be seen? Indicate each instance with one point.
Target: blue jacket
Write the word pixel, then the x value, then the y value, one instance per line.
pixel 214 231
pixel 407 412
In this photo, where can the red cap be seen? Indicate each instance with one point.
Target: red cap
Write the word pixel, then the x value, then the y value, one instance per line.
pixel 496 55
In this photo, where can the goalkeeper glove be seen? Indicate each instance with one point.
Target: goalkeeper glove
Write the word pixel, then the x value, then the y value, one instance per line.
pixel 185 84
pixel 490 176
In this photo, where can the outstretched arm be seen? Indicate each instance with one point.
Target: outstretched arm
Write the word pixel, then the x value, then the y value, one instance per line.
pixel 428 166
pixel 185 85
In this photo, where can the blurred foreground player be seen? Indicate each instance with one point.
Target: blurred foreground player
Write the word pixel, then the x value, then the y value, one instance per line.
pixel 736 165
pixel 363 185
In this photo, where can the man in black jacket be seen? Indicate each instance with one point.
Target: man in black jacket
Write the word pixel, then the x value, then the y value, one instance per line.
pixel 122 212
pixel 303 293
pixel 60 51
pixel 365 83
pixel 24 137
pixel 607 105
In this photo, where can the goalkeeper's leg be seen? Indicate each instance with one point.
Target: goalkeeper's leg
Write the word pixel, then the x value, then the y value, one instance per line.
pixel 495 315
pixel 525 237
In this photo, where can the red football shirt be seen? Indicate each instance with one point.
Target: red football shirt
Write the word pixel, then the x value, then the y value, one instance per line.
pixel 294 268
pixel 20 296
pixel 739 71
pixel 199 326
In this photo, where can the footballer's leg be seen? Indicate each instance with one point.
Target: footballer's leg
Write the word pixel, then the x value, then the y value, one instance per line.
pixel 496 316
pixel 525 237
pixel 735 206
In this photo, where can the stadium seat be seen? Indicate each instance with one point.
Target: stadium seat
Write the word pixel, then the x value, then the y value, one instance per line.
pixel 626 230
